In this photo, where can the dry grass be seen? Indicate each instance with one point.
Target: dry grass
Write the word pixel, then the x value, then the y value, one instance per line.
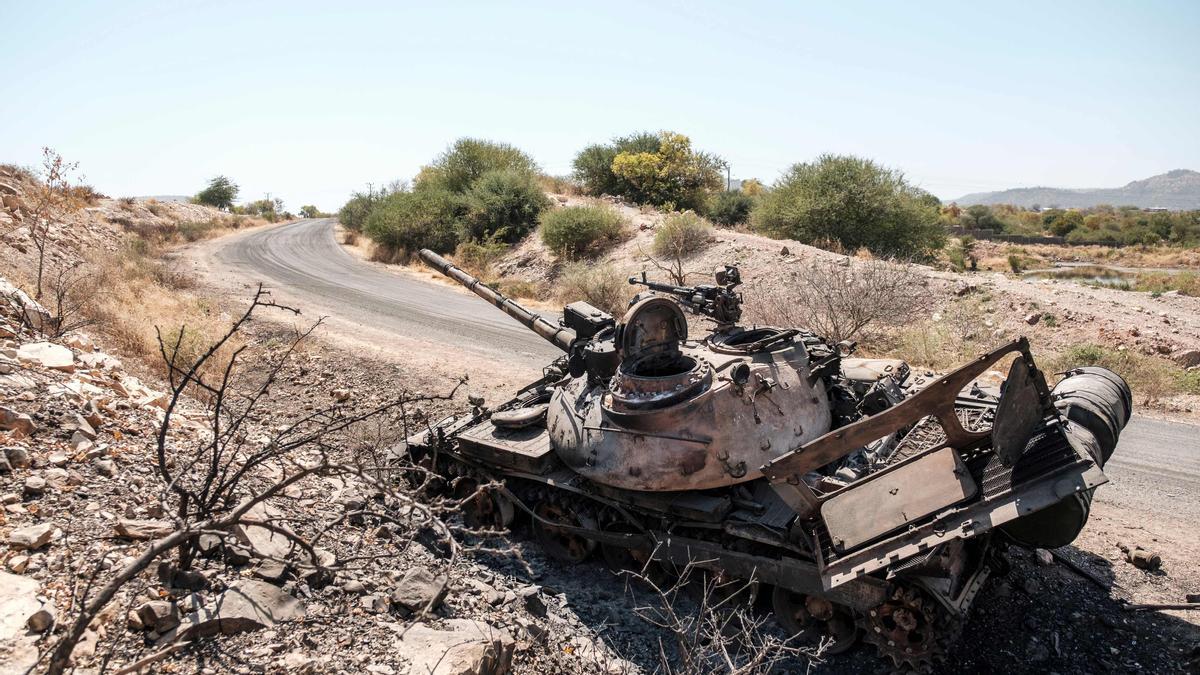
pixel 601 285
pixel 993 255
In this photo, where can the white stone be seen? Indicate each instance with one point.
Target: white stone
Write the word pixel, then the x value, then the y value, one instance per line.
pixel 48 354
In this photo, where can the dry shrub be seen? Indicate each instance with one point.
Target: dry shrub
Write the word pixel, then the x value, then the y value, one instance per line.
pixel 842 300
pixel 1149 378
pixel 682 235
pixel 478 258
pixel 391 255
pixel 600 285
pixel 520 288
pixel 559 185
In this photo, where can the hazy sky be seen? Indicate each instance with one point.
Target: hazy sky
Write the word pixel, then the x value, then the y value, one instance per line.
pixel 311 101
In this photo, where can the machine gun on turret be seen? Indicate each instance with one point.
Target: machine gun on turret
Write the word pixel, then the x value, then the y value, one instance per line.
pixel 720 302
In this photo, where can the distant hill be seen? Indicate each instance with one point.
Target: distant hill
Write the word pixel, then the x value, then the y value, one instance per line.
pixel 1178 189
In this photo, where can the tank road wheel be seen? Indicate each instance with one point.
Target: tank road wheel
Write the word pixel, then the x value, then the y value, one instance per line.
pixel 622 559
pixel 556 542
pixel 484 509
pixel 907 629
pixel 814 618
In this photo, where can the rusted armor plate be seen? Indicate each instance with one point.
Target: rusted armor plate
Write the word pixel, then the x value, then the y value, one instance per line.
pixel 875 506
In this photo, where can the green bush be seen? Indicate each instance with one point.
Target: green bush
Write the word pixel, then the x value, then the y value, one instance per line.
pixel 503 205
pixel 601 286
pixel 593 165
pixel 220 193
pixel 462 164
pixel 730 207
pixel 662 170
pixel 681 235
pixel 854 203
pixel 581 230
pixel 409 221
pixel 478 258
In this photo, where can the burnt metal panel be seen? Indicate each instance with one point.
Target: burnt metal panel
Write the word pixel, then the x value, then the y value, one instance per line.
pixel 872 508
pixel 1019 413
pixel 524 449
pixel 936 399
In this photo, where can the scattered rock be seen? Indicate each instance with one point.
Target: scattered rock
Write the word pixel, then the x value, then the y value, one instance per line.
pixel 158 615
pixel 465 648
pixel 420 589
pixel 264 542
pixel 32 537
pixel 1188 358
pixel 247 605
pixel 340 395
pixel 20 424
pixel 1043 557
pixel 271 570
pixel 17 456
pixel 18 600
pixel 41 620
pixel 1033 318
pixel 34 486
pixel 106 467
pixel 374 603
pixel 964 288
pixel 18 563
pixel 48 355
pixel 143 529
pixel 533 600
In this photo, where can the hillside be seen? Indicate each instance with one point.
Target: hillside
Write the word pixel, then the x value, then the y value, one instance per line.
pixel 1178 189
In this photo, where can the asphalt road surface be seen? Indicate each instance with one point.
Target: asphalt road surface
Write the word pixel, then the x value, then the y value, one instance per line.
pixel 1155 468
pixel 305 262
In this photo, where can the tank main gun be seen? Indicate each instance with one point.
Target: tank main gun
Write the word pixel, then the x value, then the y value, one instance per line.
pixel 719 302
pixel 554 334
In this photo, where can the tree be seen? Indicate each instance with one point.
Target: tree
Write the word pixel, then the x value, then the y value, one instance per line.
pixel 752 187
pixel 458 168
pixel 503 205
pixel 980 216
pixel 674 177
pixel 1062 223
pixel 50 200
pixel 310 211
pixel 593 165
pixel 220 193
pixel 853 202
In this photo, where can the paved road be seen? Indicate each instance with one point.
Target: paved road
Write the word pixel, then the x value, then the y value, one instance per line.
pixel 1155 460
pixel 305 262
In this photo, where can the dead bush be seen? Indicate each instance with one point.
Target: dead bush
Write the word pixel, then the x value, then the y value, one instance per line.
pixel 214 482
pixel 841 299
pixel 601 285
pixel 715 629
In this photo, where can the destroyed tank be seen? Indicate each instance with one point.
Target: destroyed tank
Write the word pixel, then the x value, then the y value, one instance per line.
pixel 869 500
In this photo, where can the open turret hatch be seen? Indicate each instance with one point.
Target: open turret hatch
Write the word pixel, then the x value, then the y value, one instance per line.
pixel 651 334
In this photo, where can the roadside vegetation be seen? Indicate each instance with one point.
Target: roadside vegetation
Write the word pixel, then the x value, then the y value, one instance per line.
pixel 577 231
pixel 477 191
pixel 854 203
pixel 1113 225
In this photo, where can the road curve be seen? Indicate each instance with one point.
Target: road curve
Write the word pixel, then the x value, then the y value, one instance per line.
pixel 1155 468
pixel 304 260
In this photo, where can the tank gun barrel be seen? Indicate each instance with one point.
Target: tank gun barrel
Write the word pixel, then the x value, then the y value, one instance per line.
pixel 554 334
